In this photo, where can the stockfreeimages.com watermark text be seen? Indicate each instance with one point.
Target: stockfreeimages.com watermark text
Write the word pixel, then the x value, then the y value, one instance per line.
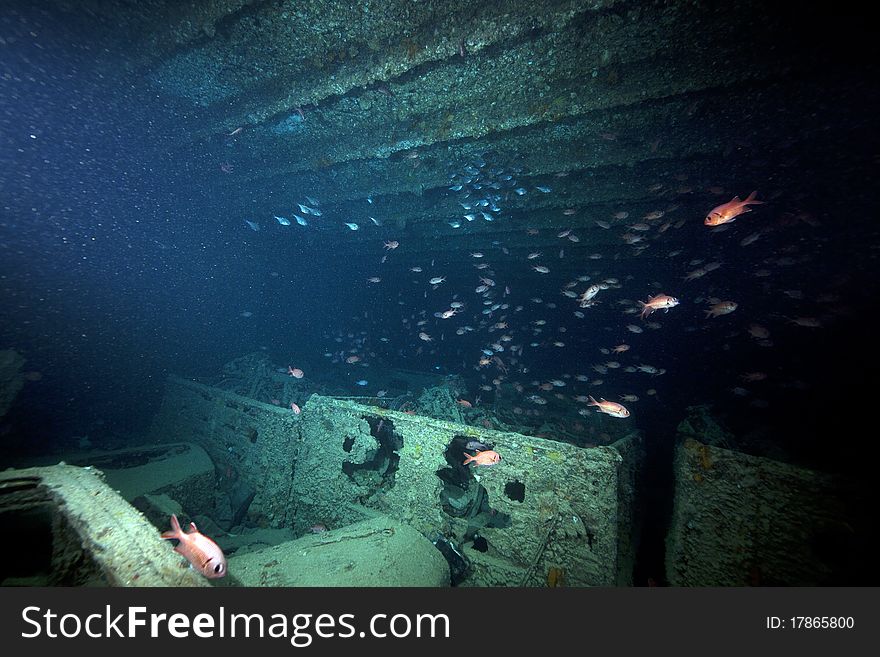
pixel 299 629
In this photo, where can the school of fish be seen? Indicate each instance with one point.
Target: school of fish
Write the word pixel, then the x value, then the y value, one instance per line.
pixel 498 334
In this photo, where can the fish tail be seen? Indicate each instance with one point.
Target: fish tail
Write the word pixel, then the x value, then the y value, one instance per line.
pixel 175 531
pixel 752 198
pixel 468 458
pixel 592 401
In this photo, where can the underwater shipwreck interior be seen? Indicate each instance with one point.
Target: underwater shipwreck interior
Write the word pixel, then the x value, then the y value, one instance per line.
pixel 393 293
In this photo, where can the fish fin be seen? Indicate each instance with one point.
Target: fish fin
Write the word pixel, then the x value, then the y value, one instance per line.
pixel 592 402
pixel 468 458
pixel 752 198
pixel 174 532
pixel 193 527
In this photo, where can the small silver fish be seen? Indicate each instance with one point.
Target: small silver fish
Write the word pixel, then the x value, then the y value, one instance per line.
pixel 352 226
pixel 305 209
pixel 300 220
pixel 284 221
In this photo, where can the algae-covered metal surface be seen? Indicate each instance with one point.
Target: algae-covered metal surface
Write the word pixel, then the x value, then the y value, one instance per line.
pixel 375 552
pixel 86 532
pixel 546 505
pixel 743 520
pixel 252 445
pixel 181 470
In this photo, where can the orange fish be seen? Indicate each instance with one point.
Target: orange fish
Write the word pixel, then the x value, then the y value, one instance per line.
pixel 295 408
pixel 609 408
pixel 659 302
pixel 721 308
pixel 727 212
pixel 464 403
pixel 295 372
pixel 488 457
pixel 203 553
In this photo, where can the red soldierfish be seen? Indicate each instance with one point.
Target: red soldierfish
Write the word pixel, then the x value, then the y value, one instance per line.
pixel 658 302
pixel 488 457
pixel 609 408
pixel 203 553
pixel 727 212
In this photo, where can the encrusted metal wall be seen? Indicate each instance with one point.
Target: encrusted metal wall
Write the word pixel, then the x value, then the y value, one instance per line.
pixel 607 101
pixel 547 505
pixel 251 443
pixel 743 520
pixel 576 508
pixel 90 535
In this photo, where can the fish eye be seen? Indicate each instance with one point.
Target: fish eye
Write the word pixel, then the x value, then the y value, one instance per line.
pixel 218 568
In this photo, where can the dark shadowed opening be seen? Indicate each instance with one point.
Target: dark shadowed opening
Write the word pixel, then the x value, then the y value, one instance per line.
pixel 380 465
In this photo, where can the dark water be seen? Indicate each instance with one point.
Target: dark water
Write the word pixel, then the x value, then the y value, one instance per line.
pixel 124 258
